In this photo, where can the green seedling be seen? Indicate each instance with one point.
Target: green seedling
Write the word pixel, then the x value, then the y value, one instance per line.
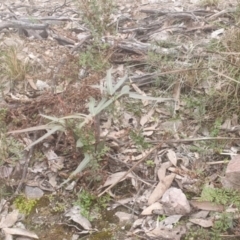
pixel 95 57
pixel 97 16
pixel 225 197
pixel 91 204
pixel 139 140
pixel 161 218
pixel 25 205
pixel 198 234
pixel 223 223
pixel 216 128
pixel 150 163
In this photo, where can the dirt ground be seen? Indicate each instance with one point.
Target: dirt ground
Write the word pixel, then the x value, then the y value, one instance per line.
pixel 119 120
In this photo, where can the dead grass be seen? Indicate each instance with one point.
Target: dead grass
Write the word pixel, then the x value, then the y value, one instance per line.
pixel 205 3
pixel 14 67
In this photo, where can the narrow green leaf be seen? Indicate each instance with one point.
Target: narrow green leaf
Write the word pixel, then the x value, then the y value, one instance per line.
pixel 82 165
pixel 54 119
pixel 120 83
pixel 79 169
pixel 99 107
pixel 109 82
pixel 78 116
pixel 91 105
pixel 125 90
pixel 42 127
pixel 138 96
pixel 50 132
pixel 105 105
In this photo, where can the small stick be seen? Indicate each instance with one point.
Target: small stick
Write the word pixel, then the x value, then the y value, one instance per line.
pixel 193 139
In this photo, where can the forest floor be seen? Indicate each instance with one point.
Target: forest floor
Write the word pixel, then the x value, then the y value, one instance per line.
pixel 119 120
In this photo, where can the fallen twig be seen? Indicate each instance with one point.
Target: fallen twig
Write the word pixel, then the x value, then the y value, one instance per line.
pixel 25 25
pixel 193 139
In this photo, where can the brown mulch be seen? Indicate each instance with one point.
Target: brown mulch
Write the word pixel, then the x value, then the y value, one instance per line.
pixel 72 100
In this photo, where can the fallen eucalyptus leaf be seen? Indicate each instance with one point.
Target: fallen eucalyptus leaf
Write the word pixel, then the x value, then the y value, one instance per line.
pixel 20 232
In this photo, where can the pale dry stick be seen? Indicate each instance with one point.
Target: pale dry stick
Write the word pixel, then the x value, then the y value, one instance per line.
pixel 179 71
pixel 218 14
pixel 157 146
pixel 224 53
pixel 20 24
pixel 223 75
pixel 218 162
pixel 192 139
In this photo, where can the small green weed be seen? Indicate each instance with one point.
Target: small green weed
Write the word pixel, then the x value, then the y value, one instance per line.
pixel 4 190
pixel 58 207
pixel 134 107
pixel 85 137
pixel 97 157
pixel 10 148
pixel 198 234
pixel 215 45
pixel 91 204
pixel 3 114
pixel 95 57
pixel 139 140
pixel 201 148
pixel 25 205
pixel 216 127
pixel 221 196
pixel 161 218
pixel 97 16
pixel 196 107
pixel 85 201
pixel 223 223
pixel 150 163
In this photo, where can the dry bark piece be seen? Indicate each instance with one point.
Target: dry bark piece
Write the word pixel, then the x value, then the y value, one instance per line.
pixel 172 157
pixel 232 176
pixel 170 221
pixel 162 170
pixel 208 206
pixel 10 219
pixel 117 177
pixel 147 117
pixel 167 234
pixel 205 223
pixel 20 232
pixel 161 188
pixel 149 210
pixel 75 214
pixel 23 25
